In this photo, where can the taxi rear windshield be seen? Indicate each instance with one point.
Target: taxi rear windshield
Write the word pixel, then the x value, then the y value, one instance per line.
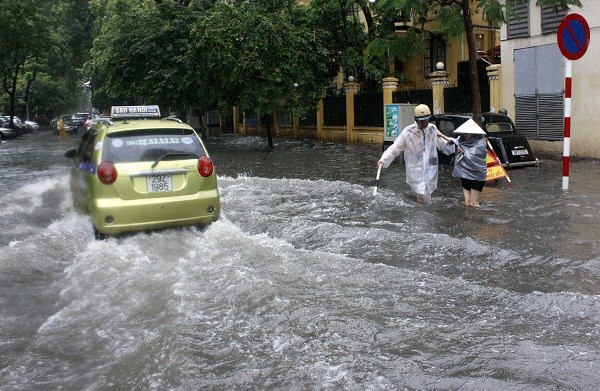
pixel 151 144
pixel 498 127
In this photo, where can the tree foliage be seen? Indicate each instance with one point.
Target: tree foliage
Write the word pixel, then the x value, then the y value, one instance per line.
pixel 454 19
pixel 202 54
pixel 24 37
pixel 42 43
pixel 258 57
pixel 207 54
pixel 344 36
pixel 139 53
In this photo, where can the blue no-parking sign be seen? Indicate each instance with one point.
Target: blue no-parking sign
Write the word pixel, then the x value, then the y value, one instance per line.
pixel 573 36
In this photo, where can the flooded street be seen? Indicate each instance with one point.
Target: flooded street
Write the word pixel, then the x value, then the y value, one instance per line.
pixel 307 282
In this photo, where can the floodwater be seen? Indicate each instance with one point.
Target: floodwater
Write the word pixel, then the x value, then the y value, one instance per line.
pixel 307 282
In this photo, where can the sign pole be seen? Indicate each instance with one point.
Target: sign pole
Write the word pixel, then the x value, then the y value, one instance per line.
pixel 573 38
pixel 567 124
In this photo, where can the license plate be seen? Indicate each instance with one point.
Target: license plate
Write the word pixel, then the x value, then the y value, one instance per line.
pixel 520 152
pixel 159 182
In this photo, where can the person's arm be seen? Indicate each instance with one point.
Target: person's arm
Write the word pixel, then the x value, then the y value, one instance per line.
pixel 443 136
pixel 445 144
pixel 394 150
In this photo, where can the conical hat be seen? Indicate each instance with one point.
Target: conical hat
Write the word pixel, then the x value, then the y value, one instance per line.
pixel 469 127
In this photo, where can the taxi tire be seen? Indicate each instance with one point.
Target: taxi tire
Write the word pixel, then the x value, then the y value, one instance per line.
pixel 99 235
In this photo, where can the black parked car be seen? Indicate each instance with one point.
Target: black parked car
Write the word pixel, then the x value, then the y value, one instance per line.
pixel 78 119
pixel 512 149
pixel 71 127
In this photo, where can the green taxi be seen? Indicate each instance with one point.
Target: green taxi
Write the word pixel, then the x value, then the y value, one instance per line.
pixel 138 172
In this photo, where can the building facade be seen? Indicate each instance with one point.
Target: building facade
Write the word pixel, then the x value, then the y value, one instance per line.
pixel 452 53
pixel 533 74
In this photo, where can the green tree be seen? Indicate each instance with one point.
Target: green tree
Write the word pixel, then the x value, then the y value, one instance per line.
pixel 42 40
pixel 259 56
pixel 454 19
pixel 24 37
pixel 139 53
pixel 343 34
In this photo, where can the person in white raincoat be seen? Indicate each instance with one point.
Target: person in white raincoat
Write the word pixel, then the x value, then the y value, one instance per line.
pixel 419 142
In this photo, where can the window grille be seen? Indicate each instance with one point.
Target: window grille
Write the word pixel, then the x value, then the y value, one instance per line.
pixel 518 20
pixel 435 51
pixel 551 18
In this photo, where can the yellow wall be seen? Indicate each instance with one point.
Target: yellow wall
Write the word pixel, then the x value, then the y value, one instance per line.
pixel 456 51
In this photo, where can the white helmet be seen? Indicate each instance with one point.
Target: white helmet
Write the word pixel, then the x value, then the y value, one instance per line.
pixel 422 112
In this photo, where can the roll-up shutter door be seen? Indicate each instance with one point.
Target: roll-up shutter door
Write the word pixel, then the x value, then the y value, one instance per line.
pixel 539 84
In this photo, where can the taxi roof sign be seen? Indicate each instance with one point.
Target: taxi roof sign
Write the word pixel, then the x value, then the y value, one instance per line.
pixel 151 111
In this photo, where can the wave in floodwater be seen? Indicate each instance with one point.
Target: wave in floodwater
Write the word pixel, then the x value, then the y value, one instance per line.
pixel 307 281
pixel 302 284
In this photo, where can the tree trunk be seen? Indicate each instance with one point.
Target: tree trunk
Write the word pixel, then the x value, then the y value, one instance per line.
pixel 202 126
pixel 12 94
pixel 265 119
pixel 25 112
pixel 368 19
pixel 473 73
pixel 12 91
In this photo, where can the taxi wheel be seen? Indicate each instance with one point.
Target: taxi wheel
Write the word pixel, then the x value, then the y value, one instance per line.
pixel 99 235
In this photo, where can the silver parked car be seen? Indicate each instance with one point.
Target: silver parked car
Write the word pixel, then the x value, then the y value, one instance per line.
pixel 7 133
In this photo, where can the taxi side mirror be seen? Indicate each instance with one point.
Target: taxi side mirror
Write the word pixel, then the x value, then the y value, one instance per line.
pixel 71 153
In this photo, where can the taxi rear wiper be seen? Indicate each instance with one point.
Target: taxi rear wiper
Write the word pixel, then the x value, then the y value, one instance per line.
pixel 173 154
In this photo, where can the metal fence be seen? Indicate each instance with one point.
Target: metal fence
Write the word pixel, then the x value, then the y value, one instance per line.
pixel 309 118
pixel 459 99
pixel 285 117
pixel 334 111
pixel 368 109
pixel 414 96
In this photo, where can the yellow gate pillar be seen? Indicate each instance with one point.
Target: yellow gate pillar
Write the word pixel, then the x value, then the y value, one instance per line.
pixel 494 73
pixel 390 84
pixel 351 89
pixel 236 119
pixel 320 120
pixel 439 80
pixel 389 87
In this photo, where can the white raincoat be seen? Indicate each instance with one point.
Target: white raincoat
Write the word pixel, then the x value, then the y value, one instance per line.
pixel 420 155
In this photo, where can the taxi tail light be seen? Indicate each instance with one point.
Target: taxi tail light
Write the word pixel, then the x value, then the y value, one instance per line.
pixel 205 166
pixel 107 173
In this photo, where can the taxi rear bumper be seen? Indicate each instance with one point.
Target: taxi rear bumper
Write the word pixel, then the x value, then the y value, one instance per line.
pixel 114 216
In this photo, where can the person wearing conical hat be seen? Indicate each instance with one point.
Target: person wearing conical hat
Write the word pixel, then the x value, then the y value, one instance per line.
pixel 469 162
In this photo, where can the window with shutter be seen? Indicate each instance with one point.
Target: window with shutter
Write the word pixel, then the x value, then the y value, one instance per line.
pixel 518 20
pixel 551 18
pixel 435 51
